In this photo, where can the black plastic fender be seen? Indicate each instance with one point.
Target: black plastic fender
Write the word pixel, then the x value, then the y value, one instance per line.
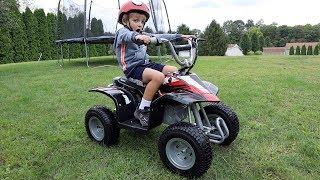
pixel 124 101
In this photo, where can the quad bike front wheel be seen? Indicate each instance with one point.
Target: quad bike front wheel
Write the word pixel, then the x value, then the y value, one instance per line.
pixel 101 126
pixel 224 121
pixel 185 149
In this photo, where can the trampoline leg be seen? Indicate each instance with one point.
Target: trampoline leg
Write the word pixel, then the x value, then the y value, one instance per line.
pixel 69 52
pixel 87 57
pixel 61 55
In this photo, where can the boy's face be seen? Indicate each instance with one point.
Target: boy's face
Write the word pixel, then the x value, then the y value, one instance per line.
pixel 136 21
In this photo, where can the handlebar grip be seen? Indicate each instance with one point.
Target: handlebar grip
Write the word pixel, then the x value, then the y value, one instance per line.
pixel 154 40
pixel 182 47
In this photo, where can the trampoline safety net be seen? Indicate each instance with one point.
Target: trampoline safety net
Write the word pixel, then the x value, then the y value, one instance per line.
pixel 87 27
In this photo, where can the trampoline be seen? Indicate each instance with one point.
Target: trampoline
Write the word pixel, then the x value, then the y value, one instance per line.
pixel 82 34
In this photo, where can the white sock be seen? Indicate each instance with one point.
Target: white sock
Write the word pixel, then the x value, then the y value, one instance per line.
pixel 144 103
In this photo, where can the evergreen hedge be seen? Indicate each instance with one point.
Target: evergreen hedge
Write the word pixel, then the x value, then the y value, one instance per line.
pixel 309 51
pixel 297 50
pixel 291 52
pixel 303 50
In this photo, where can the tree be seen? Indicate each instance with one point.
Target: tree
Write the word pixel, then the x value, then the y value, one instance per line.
pixel 183 29
pixel 245 43
pixel 291 52
pixel 316 50
pixel 249 24
pixel 18 35
pixel 312 33
pixel 298 50
pixel 303 50
pixel 6 47
pixel 261 42
pixel 257 38
pixel 216 44
pixel 298 33
pixel 283 31
pixel 234 30
pixel 267 42
pixel 52 28
pixel 281 43
pixel 260 23
pixel 309 51
pixel 97 30
pixel 255 42
pixel 43 34
pixel 271 33
pixel 196 32
pixel 6 55
pixel 30 23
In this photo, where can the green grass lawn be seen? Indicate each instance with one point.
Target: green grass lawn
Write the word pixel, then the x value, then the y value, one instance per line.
pixel 42 134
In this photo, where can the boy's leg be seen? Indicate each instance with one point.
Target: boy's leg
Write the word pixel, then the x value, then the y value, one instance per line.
pixel 154 79
pixel 169 69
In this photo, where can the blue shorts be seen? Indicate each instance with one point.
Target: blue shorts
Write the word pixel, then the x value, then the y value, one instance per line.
pixel 137 71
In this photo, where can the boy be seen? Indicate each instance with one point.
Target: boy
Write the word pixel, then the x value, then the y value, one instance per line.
pixel 133 58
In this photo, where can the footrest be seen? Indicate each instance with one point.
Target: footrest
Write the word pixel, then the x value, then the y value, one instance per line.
pixel 133 125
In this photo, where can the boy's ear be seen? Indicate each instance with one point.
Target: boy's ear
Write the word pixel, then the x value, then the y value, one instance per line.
pixel 125 19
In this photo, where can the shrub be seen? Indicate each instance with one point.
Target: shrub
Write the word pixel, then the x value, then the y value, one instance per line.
pixel 258 53
pixel 316 50
pixel 303 50
pixel 250 53
pixel 298 50
pixel 309 51
pixel 291 52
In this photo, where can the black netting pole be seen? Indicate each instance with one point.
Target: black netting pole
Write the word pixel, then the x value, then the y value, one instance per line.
pixel 153 15
pixel 85 32
pixel 89 22
pixel 117 18
pixel 59 33
pixel 165 7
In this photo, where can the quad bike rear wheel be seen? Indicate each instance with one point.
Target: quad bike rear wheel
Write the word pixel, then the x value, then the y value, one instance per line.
pixel 185 149
pixel 220 114
pixel 101 126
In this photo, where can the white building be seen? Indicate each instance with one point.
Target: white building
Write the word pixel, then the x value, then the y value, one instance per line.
pixel 234 50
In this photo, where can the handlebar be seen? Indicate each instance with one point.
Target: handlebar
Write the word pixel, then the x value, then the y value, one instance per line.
pixel 192 47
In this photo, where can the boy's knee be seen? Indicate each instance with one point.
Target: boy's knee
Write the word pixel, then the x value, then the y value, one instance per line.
pixel 174 69
pixel 160 78
pixel 169 69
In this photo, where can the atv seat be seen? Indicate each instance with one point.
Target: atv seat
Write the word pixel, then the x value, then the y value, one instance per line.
pixel 130 81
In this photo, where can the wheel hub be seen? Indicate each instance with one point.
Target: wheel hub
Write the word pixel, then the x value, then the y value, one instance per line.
pixel 180 153
pixel 96 128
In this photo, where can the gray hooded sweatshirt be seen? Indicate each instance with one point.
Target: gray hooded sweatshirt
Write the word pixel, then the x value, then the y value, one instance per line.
pixel 129 53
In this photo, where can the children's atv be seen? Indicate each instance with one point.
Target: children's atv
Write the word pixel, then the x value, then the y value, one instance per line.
pixel 190 107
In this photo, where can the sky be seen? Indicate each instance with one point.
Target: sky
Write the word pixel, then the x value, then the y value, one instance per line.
pixel 197 14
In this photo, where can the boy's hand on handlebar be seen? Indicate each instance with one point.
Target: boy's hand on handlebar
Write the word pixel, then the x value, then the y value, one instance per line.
pixel 143 38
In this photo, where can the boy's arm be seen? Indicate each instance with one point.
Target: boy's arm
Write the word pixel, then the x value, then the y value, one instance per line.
pixel 169 37
pixel 127 36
